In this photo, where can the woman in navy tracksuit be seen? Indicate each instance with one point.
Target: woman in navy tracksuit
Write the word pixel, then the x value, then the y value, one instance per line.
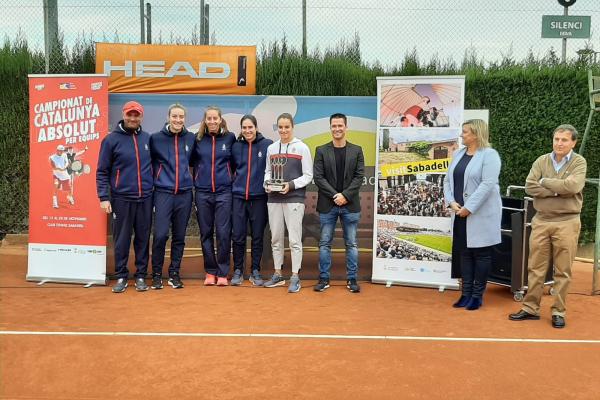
pixel 249 157
pixel 171 150
pixel 124 185
pixel 212 180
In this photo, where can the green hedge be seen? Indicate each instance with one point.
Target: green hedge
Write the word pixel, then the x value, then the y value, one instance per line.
pixel 15 63
pixel 526 104
pixel 526 99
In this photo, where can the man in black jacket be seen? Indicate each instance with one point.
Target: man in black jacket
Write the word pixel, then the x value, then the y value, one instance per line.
pixel 338 173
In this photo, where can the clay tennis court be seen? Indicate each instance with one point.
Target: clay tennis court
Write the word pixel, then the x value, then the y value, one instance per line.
pixel 61 341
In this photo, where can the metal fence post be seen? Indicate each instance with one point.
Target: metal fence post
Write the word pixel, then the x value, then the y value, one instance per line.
pixel 202 16
pixel 304 28
pixel 595 289
pixel 564 40
pixel 149 23
pixel 50 29
pixel 206 24
pixel 142 23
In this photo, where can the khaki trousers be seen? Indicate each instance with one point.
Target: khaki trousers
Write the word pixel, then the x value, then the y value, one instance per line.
pixel 551 243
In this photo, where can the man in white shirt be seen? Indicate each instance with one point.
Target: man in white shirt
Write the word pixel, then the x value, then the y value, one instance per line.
pixel 61 178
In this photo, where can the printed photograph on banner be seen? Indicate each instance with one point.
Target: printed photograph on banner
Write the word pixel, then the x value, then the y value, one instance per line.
pixel 413 145
pixel 420 195
pixel 410 105
pixel 414 238
pixel 68 166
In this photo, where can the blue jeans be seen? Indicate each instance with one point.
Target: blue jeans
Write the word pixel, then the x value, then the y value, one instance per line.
pixel 349 225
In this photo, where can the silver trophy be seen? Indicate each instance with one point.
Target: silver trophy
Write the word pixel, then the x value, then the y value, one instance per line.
pixel 276 183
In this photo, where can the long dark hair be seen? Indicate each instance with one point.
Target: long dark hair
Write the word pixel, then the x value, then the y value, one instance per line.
pixel 251 118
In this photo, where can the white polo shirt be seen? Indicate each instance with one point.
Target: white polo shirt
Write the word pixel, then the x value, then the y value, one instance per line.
pixel 60 161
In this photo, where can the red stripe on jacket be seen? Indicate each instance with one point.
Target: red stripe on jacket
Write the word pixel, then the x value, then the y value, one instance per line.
pixel 212 172
pixel 139 169
pixel 176 163
pixel 249 170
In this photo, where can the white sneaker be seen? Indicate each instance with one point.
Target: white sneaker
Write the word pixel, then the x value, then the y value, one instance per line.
pixel 71 199
pixel 54 202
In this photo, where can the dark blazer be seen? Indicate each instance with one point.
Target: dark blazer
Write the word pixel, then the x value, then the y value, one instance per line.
pixel 325 176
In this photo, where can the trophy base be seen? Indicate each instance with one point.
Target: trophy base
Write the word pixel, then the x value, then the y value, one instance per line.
pixel 275 187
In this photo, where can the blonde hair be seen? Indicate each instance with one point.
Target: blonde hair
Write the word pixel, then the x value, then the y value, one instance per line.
pixel 480 130
pixel 174 106
pixel 204 128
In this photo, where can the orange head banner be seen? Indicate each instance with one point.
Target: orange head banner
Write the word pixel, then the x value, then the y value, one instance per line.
pixel 181 69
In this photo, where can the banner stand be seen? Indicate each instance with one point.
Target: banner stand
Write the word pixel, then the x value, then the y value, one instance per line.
pixel 68 118
pixel 42 281
pixel 441 287
pixel 419 122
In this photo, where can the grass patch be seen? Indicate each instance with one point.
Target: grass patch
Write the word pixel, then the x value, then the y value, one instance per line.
pixel 436 242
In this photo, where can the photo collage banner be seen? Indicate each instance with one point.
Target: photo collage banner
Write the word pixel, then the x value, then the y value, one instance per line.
pixel 419 122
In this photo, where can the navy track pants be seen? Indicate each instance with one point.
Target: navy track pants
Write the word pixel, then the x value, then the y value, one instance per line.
pixel 255 212
pixel 213 211
pixel 129 216
pixel 171 212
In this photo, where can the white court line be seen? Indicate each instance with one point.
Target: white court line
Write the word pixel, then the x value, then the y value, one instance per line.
pixel 303 336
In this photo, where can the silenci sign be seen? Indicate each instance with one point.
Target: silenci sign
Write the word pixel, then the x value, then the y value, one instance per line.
pixel 566 26
pixel 177 69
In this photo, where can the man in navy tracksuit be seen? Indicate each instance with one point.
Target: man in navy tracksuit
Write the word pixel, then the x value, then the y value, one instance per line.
pixel 212 180
pixel 124 185
pixel 171 150
pixel 249 155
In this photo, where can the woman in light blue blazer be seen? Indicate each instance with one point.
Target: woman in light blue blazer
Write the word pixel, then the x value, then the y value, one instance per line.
pixel 471 191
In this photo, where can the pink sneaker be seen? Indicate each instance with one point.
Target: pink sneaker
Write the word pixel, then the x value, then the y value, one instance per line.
pixel 210 280
pixel 222 281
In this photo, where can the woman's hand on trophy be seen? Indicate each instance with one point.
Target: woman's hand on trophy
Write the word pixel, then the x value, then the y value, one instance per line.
pixel 286 188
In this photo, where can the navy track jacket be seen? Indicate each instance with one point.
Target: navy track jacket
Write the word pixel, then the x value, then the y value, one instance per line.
pixel 249 162
pixel 211 161
pixel 124 165
pixel 171 155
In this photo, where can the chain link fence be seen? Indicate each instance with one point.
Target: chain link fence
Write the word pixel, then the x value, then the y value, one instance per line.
pixel 387 30
pixel 444 31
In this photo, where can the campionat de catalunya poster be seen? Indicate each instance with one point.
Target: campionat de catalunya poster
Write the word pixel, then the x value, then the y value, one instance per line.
pixel 68 118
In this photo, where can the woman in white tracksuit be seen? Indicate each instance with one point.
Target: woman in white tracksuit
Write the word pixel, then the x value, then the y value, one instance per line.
pixel 288 158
